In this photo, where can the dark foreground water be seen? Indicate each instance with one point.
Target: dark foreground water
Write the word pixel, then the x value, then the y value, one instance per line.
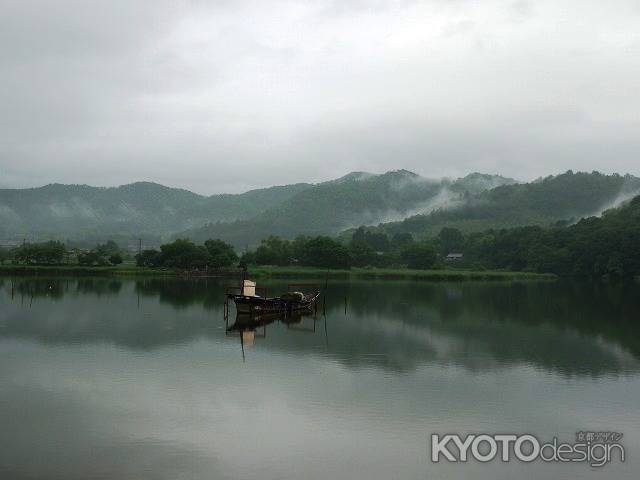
pixel 139 379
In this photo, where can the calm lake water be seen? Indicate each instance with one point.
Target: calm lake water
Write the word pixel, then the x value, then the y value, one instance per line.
pixel 139 379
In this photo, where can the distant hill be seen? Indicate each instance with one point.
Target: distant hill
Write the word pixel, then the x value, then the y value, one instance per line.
pixel 355 199
pixel 593 247
pixel 137 209
pixel 566 197
pixel 396 201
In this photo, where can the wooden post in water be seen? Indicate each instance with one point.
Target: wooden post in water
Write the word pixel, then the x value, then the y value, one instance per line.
pixel 324 296
pixel 326 334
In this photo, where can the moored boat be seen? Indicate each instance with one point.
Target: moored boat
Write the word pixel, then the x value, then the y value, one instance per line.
pixel 248 302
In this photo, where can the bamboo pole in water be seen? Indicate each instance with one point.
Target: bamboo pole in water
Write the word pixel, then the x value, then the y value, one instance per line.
pixel 324 296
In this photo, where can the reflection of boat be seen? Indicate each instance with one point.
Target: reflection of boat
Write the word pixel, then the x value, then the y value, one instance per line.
pixel 247 321
pixel 250 326
pixel 248 302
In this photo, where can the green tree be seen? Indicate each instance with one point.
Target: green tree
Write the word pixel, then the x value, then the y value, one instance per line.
pixel 419 256
pixel 401 240
pixel 92 257
pixel 274 251
pixel 183 253
pixel 52 252
pixel 148 258
pixel 221 254
pixel 360 235
pixel 361 254
pixel 298 248
pixel 247 258
pixel 101 255
pixel 115 258
pixel 377 241
pixel 107 249
pixel 325 252
pixel 5 255
pixel 451 240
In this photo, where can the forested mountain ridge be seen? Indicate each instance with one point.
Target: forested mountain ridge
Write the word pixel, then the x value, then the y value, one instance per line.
pixel 355 199
pixel 155 212
pixel 397 202
pixel 594 246
pixel 562 198
pixel 142 208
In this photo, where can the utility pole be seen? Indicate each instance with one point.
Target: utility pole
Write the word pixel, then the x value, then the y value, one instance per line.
pixel 139 246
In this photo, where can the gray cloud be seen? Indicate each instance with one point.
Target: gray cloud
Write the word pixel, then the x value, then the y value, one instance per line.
pixel 226 96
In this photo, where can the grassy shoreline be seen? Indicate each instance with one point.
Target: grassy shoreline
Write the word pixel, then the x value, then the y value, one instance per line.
pixel 77 270
pixel 396 274
pixel 279 272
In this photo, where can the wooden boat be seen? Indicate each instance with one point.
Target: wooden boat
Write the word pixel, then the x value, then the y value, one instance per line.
pixel 288 303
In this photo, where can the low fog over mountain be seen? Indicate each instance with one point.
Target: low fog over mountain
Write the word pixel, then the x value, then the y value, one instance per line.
pixel 396 201
pixel 152 210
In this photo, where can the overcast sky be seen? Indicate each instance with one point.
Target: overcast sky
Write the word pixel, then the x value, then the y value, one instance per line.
pixel 224 95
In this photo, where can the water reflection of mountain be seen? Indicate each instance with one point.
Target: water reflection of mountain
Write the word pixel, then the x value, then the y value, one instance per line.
pixel 571 328
pixel 123 312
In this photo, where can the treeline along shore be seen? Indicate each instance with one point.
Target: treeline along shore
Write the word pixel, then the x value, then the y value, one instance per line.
pixel 595 247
